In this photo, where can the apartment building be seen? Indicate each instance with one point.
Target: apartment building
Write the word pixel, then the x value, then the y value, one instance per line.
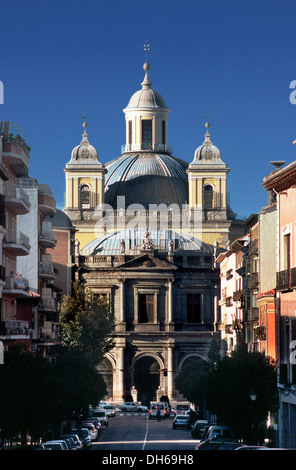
pixel 29 297
pixel 232 294
pixel 281 184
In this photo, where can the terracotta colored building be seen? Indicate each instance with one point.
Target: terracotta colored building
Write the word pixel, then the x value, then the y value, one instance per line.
pixel 281 185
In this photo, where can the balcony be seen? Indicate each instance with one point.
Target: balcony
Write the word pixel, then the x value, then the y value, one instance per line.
pixel 253 314
pixel 46 201
pixel 293 277
pixel 47 304
pixel 16 242
pixel 16 199
pixel 17 286
pixel 253 280
pixel 46 270
pixel 283 280
pixel 16 153
pixel 14 329
pixel 147 147
pixel 46 238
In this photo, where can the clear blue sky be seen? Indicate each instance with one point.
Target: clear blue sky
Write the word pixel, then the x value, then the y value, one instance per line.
pixel 229 59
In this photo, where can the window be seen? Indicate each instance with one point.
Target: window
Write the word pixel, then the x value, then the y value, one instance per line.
pixel 84 196
pixel 130 132
pixel 193 308
pixel 208 197
pixel 163 132
pixel 287 251
pixel 147 133
pixel 146 308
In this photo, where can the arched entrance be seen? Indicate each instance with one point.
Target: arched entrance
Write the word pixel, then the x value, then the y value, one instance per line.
pixel 106 370
pixel 146 378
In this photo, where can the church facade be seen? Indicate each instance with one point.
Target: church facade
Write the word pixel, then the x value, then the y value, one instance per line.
pixel 148 227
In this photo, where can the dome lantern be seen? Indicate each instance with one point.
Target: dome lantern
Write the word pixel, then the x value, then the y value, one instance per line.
pixel 146 120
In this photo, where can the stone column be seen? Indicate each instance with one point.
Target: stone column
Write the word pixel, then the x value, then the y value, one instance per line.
pixel 170 372
pixel 120 374
pixel 170 301
pixel 121 318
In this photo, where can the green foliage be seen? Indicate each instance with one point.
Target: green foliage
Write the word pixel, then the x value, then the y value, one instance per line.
pixel 191 381
pixel 225 386
pixel 37 395
pixel 86 324
pixel 229 385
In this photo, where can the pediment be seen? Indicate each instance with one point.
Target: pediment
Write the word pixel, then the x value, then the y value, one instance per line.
pixel 148 261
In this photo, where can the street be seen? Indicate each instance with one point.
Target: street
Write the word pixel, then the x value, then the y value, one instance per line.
pixel 135 431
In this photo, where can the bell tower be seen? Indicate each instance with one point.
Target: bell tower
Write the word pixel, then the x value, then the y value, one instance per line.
pixel 207 181
pixel 207 196
pixel 85 177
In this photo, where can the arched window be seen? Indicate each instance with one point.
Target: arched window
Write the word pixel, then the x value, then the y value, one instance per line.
pixel 84 196
pixel 208 196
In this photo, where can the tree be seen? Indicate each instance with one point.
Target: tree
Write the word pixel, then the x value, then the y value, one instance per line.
pixel 228 388
pixel 86 324
pixel 192 380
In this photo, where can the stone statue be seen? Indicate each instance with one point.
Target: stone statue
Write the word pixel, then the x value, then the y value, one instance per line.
pixel 77 244
pixel 122 246
pixel 147 243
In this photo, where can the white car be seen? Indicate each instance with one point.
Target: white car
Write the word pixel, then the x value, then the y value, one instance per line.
pixel 128 406
pixel 93 432
pixel 110 410
pixel 132 406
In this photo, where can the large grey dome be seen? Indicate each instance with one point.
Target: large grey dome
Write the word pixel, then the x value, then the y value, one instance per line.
pixel 147 178
pixel 111 244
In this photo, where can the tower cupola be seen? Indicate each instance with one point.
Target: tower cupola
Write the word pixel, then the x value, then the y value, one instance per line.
pixel 84 179
pixel 146 120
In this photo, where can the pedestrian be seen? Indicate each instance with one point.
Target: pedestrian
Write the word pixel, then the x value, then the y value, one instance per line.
pixel 158 414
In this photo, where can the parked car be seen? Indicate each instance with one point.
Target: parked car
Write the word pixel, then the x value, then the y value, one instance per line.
pixel 61 445
pixel 245 447
pixel 70 442
pixel 84 436
pixel 110 409
pixel 51 445
pixel 198 428
pixel 101 415
pixel 217 444
pixel 94 420
pixel 219 432
pixel 93 432
pixel 181 421
pixel 102 403
pixel 77 442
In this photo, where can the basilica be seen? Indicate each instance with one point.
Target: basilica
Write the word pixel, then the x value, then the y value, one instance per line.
pixel 148 226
